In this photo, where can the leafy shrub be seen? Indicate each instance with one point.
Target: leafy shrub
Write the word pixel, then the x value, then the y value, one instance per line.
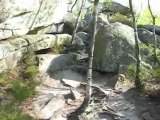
pixel 28 65
pixel 144 73
pixel 58 49
pixel 20 83
pixel 11 112
pixel 21 90
pixel 157 73
pixel 121 18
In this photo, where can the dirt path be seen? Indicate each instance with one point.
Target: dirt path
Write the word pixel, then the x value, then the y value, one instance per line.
pixel 55 100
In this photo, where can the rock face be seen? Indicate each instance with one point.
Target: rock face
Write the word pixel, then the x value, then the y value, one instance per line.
pixel 147 37
pixel 11 50
pixel 19 17
pixel 114 48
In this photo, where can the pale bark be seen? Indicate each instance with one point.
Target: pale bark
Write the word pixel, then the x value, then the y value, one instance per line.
pixel 137 49
pixel 86 101
pixel 77 21
pixel 154 34
pixel 89 74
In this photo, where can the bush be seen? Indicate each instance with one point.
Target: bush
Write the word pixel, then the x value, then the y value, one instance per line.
pixel 18 84
pixel 144 73
pixel 121 18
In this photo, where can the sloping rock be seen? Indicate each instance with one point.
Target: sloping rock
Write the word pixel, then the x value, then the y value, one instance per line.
pixel 51 63
pixel 40 102
pixel 19 17
pixel 54 105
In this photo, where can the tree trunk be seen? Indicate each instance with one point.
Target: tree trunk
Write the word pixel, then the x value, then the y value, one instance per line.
pixel 86 101
pixel 73 5
pixel 137 50
pixel 89 74
pixel 154 35
pixel 77 21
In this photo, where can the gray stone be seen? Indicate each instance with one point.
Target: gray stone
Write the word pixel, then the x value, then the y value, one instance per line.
pixel 117 7
pixel 147 116
pixel 101 21
pixel 69 23
pixel 84 36
pixel 19 17
pixel 114 47
pixel 54 105
pixel 147 37
pixel 52 63
pixel 40 101
pixel 150 28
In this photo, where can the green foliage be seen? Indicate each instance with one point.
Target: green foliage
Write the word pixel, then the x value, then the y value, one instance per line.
pixel 58 49
pixel 121 18
pixel 131 72
pixel 157 73
pixel 18 84
pixel 28 65
pixel 12 112
pixel 107 3
pixel 144 73
pixel 22 90
pixel 145 18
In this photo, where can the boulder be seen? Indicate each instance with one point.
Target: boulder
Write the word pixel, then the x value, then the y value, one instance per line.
pixel 114 47
pixel 84 36
pixel 146 36
pixel 12 49
pixel 51 63
pixel 69 23
pixel 150 28
pixel 117 7
pixel 19 17
pixel 101 21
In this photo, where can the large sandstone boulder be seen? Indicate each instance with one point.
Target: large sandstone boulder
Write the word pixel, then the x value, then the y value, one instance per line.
pixel 114 47
pixel 19 17
pixel 12 49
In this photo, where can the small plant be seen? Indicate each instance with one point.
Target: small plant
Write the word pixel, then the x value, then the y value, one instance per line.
pixel 107 3
pixel 28 65
pixel 22 90
pixel 121 18
pixel 58 49
pixel 18 84
pixel 157 73
pixel 145 75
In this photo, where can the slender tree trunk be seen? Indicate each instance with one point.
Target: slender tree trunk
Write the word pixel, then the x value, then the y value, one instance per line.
pixel 89 74
pixel 86 101
pixel 73 5
pixel 154 35
pixel 137 50
pixel 77 21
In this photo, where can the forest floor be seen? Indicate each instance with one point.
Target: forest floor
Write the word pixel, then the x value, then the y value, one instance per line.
pixel 113 98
